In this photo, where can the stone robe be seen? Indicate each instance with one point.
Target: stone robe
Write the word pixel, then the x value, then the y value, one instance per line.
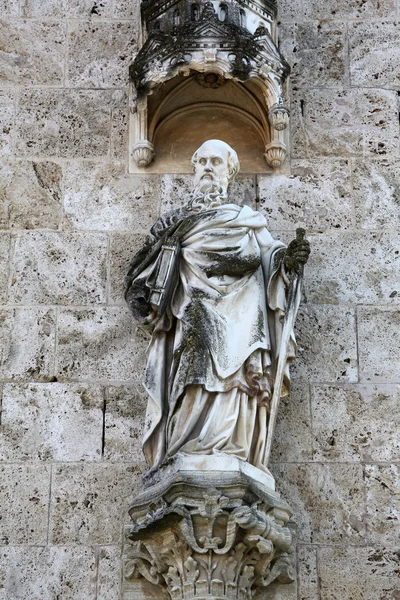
pixel 211 359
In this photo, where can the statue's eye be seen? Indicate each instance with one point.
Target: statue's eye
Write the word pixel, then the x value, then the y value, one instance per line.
pixel 216 161
pixel 202 161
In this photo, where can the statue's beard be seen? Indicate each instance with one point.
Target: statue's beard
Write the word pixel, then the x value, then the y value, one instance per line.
pixel 206 197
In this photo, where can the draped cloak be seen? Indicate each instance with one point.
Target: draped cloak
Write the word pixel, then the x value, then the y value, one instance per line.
pixel 218 345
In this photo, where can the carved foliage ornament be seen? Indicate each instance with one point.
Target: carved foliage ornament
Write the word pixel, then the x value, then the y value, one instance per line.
pixel 215 547
pixel 219 41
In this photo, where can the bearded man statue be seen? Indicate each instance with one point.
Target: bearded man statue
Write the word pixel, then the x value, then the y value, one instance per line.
pixel 211 285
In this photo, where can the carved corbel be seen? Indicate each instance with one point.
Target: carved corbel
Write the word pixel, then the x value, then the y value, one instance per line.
pixel 209 543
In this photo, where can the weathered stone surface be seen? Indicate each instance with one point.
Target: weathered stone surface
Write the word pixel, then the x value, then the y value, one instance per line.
pixel 122 248
pixel 9 8
pixel 344 123
pixel 47 573
pixel 375 54
pixel 349 9
pixel 32 53
pixel 67 123
pixel 316 52
pixel 292 440
pixel 51 421
pixel 89 502
pixel 4 266
pixel 125 9
pixel 30 193
pixel 353 267
pixel 383 503
pixel 66 8
pixel 124 424
pixel 289 10
pixel 27 341
pixel 7 116
pixel 104 197
pixel 59 268
pixel 307 573
pixel 379 343
pixel 100 53
pixel 24 498
pixel 317 196
pixel 327 500
pixel 109 573
pixel 326 338
pixel 376 192
pixel 99 344
pixel 119 125
pixel 351 423
pixel 358 573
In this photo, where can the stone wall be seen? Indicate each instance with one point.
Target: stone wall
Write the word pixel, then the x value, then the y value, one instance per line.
pixel 71 356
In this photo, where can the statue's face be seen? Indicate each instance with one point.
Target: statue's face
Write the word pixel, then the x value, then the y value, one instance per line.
pixel 211 171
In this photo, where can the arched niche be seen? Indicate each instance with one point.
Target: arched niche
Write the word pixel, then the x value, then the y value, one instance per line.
pixel 184 112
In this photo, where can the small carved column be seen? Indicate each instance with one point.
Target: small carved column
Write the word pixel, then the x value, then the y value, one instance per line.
pixel 209 535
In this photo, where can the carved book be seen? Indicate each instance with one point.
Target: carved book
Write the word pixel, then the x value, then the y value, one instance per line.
pixel 162 282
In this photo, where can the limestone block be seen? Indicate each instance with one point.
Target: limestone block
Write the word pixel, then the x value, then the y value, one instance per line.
pixel 100 344
pixel 27 341
pixel 289 10
pixel 125 9
pixel 119 125
pixel 327 500
pixel 66 8
pixel 7 116
pixel 9 8
pixel 124 424
pixel 59 268
pixel 376 192
pixel 353 267
pixel 51 421
pixel 32 53
pixel 4 265
pixel 307 573
pixel 344 123
pixel 89 501
pixel 47 573
pixel 109 573
pixel 30 193
pixel 316 196
pixel 104 197
pixel 349 9
pixel 358 573
pixel 292 439
pixel 379 343
pixel 316 52
pixel 99 53
pixel 66 123
pixel 176 191
pixel 24 498
pixel 122 248
pixel 375 54
pixel 327 344
pixel 383 503
pixel 351 423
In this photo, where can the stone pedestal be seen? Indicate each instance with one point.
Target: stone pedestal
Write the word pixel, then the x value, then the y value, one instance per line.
pixel 209 528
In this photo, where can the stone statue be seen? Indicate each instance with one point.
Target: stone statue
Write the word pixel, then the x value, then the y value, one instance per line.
pixel 219 295
pixel 211 285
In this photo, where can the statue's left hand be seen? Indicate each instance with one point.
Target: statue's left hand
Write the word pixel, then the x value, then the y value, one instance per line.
pixel 296 254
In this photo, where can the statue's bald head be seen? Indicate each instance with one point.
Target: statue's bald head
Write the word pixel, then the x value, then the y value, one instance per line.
pixel 215 164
